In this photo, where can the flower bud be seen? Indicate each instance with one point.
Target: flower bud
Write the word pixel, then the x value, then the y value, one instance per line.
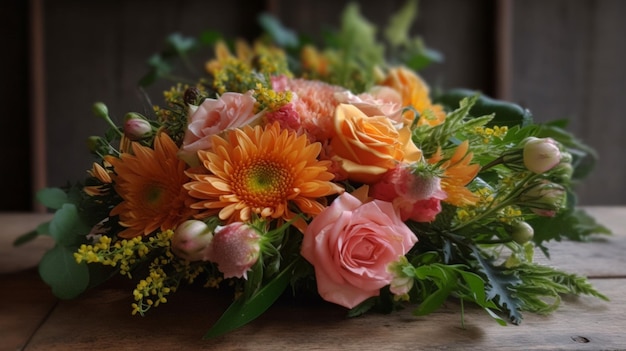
pixel 562 173
pixel 401 283
pixel 136 127
pixel 191 239
pixel 100 110
pixel 543 198
pixel 541 155
pixel 521 232
pixel 98 146
pixel 235 248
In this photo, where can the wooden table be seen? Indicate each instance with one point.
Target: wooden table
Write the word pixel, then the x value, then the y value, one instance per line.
pixel 31 318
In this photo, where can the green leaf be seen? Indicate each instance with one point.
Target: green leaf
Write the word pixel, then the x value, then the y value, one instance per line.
pixel 243 311
pixel 26 237
pixel 210 37
pixel 363 307
pixel 52 198
pixel 506 113
pixel 432 302
pixel 574 224
pixel 42 229
pixel 66 227
pixel 422 58
pixel 180 44
pixel 281 35
pixel 59 270
pixel 397 32
pixel 499 287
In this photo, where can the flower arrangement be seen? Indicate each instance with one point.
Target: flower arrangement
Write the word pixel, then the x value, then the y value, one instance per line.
pixel 334 172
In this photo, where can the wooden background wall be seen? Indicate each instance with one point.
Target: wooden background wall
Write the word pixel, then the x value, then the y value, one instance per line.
pixel 560 58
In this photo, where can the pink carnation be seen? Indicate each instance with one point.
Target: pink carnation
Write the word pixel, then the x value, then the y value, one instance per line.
pixel 235 248
pixel 315 103
pixel 415 197
pixel 286 116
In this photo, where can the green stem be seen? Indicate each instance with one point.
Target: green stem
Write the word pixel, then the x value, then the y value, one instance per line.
pixel 494 206
pixel 108 120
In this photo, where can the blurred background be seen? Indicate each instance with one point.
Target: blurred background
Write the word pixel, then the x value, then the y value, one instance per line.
pixel 562 59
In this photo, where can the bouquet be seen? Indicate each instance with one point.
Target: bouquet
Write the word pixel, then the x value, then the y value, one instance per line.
pixel 291 169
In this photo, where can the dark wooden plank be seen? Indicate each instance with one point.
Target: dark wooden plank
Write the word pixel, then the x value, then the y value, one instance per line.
pixel 568 63
pixel 25 302
pixel 14 123
pixel 454 28
pixel 102 319
pixel 601 257
pixel 97 51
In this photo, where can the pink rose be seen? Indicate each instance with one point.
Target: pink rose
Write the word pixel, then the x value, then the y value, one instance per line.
pixel 379 101
pixel 350 244
pixel 213 116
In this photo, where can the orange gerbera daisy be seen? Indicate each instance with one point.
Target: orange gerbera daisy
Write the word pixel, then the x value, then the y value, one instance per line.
pixel 457 173
pixel 262 171
pixel 150 182
pixel 415 93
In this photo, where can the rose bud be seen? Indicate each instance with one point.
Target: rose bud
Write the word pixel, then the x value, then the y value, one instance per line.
pixel 541 155
pixel 543 198
pixel 136 127
pixel 235 248
pixel 191 239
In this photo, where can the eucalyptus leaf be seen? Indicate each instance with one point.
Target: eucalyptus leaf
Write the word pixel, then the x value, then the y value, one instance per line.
pixel 59 270
pixel 281 35
pixel 52 198
pixel 180 44
pixel 26 237
pixel 66 227
pixel 42 229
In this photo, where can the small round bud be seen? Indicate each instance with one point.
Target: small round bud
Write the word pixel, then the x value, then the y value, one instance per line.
pixel 521 232
pixel 100 110
pixel 136 127
pixel 543 198
pixel 191 239
pixel 541 155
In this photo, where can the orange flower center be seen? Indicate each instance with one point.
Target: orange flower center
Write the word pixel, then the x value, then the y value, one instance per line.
pixel 262 182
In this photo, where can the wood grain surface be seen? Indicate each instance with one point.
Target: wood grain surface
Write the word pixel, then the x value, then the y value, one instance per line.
pixel 32 319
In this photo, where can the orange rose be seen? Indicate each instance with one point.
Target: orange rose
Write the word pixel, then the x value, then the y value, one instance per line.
pixel 366 147
pixel 415 92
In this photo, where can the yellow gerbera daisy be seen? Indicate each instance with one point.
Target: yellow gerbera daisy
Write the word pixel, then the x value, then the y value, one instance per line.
pixel 262 171
pixel 150 182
